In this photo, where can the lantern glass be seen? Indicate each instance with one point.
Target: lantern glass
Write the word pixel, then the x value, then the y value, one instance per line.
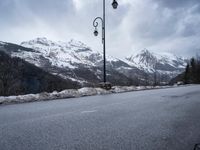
pixel 96 32
pixel 115 4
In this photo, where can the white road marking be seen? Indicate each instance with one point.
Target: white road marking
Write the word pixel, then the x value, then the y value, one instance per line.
pixel 89 111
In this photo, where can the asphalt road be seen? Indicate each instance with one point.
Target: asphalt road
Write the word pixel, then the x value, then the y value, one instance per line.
pixel 166 119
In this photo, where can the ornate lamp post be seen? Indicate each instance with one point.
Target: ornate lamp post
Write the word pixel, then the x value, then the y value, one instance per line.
pixel 95 24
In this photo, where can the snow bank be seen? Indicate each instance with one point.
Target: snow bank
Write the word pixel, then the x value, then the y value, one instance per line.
pixel 73 93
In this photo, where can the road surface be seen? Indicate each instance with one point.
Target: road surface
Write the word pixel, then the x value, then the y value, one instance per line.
pixel 165 119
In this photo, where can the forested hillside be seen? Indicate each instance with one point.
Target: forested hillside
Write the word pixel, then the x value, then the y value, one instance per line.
pixel 19 77
pixel 192 71
pixel 191 74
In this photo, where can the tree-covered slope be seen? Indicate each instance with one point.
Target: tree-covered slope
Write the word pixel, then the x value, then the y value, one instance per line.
pixel 20 77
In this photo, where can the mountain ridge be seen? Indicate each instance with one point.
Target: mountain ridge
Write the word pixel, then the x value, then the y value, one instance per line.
pixel 150 60
pixel 76 61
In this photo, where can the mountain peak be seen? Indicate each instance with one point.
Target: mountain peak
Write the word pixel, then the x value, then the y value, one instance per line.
pixel 76 43
pixel 44 42
pixel 142 56
pixel 145 51
pixel 148 60
pixel 42 39
pixel 38 41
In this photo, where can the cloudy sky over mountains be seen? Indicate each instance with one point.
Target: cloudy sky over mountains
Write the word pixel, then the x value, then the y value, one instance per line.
pixel 158 25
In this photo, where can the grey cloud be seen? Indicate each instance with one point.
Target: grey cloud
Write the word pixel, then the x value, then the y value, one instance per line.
pixel 177 3
pixel 26 10
pixel 190 29
pixel 166 25
pixel 7 11
pixel 159 25
pixel 46 8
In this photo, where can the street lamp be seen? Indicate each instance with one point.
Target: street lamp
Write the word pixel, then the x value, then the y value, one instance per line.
pixel 95 24
pixel 96 32
pixel 114 4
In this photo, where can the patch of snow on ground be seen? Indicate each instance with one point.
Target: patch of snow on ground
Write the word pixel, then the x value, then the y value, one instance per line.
pixel 73 93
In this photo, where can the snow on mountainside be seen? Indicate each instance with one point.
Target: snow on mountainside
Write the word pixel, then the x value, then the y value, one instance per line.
pixel 2 43
pixel 76 61
pixel 163 63
pixel 62 54
pixel 71 60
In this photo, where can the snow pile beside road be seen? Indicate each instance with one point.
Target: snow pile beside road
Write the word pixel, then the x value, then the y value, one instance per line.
pixel 73 93
pixel 121 89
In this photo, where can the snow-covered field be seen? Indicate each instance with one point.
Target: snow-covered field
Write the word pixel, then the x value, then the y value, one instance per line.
pixel 73 93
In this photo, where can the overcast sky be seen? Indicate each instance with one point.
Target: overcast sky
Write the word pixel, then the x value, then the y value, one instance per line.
pixel 158 25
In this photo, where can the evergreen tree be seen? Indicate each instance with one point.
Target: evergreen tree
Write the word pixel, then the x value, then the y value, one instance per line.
pixel 18 77
pixel 198 69
pixel 193 70
pixel 187 74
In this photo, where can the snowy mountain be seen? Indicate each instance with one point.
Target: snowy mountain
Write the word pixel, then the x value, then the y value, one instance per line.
pixel 59 54
pixel 162 63
pixel 70 60
pixel 76 61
